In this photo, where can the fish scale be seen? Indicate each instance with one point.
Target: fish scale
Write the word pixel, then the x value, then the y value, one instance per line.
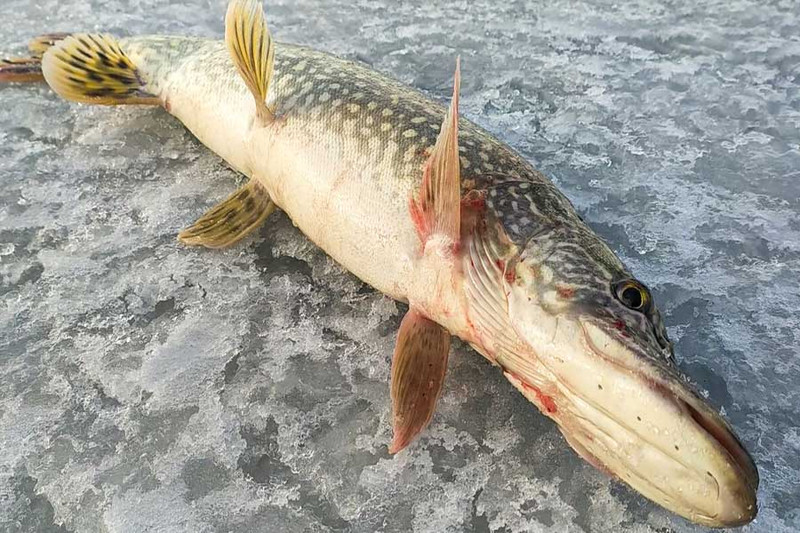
pixel 350 99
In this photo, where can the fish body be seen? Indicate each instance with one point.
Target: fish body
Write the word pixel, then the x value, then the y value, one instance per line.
pixel 348 152
pixel 346 157
pixel 432 210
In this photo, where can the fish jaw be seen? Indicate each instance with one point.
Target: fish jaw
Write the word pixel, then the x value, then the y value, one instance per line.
pixel 631 419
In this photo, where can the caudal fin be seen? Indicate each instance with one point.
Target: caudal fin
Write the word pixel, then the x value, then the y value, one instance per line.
pixel 29 69
pixel 93 69
pixel 21 70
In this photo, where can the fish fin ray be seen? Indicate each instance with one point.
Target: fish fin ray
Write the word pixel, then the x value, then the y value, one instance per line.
pixel 21 70
pixel 93 69
pixel 42 43
pixel 437 208
pixel 419 364
pixel 29 69
pixel 231 220
pixel 253 50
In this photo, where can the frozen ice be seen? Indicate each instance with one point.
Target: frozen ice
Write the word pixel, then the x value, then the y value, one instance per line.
pixel 147 386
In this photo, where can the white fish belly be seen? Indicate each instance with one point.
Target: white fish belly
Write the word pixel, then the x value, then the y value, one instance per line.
pixel 212 101
pixel 350 204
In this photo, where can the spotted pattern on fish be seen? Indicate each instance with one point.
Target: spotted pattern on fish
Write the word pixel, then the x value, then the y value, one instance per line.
pixel 308 85
pixel 343 149
pixel 406 122
pixel 398 127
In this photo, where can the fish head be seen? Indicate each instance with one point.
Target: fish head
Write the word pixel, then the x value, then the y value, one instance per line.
pixel 597 359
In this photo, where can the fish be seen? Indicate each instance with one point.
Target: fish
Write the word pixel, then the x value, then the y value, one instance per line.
pixel 432 210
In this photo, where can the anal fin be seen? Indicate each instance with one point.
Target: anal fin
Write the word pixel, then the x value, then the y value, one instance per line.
pixel 419 364
pixel 232 219
pixel 93 69
pixel 252 49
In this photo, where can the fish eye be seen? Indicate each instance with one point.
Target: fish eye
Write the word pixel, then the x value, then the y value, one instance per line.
pixel 633 294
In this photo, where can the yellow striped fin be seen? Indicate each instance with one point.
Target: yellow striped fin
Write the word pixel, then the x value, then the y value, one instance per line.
pixel 29 69
pixel 93 69
pixel 21 70
pixel 252 49
pixel 231 220
pixel 42 43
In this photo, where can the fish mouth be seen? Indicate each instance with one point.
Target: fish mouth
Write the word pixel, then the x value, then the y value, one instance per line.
pixel 650 429
pixel 720 431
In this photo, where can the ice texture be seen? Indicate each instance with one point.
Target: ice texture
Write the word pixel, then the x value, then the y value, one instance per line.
pixel 147 386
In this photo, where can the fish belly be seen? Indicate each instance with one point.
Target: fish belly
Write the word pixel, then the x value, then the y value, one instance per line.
pixel 198 84
pixel 344 199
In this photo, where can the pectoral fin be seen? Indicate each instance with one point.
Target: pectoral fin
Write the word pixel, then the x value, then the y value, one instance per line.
pixel 437 208
pixel 418 368
pixel 252 49
pixel 231 220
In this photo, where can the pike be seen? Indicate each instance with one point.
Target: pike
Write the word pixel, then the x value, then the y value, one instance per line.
pixel 431 210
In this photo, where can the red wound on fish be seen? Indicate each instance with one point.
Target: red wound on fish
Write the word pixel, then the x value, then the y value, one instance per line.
pixel 546 402
pixel 474 200
pixel 622 327
pixel 510 275
pixel 565 292
pixel 420 220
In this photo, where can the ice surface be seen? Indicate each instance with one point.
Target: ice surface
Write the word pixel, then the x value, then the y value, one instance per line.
pixel 145 386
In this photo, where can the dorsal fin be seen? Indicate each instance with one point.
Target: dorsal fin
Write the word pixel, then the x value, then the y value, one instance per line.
pixel 252 49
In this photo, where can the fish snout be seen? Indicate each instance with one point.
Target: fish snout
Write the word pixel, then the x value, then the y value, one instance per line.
pixel 650 429
pixel 735 471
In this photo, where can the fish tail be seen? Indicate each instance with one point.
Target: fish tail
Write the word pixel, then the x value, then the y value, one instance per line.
pixel 21 70
pixel 41 44
pixel 29 69
pixel 93 69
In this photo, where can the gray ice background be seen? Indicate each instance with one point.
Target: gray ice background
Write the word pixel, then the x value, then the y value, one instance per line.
pixel 145 386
